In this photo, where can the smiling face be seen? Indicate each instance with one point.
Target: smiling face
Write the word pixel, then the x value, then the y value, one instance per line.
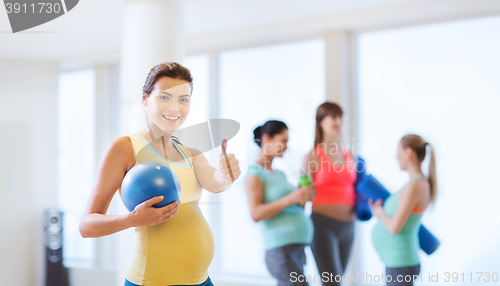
pixel 168 104
pixel 331 125
pixel 277 145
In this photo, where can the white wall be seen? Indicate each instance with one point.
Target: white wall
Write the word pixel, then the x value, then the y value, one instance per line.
pixel 28 166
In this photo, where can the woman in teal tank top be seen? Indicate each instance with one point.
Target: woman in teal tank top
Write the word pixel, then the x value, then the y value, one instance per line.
pixel 274 203
pixel 395 236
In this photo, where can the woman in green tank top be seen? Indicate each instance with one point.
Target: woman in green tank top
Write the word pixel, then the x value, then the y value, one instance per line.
pixel 395 236
pixel 275 204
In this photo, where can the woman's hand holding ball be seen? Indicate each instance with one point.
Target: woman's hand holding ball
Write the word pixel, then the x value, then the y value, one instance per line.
pixel 145 214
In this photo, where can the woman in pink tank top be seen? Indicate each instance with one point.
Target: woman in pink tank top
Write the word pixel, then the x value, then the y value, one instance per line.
pixel 332 168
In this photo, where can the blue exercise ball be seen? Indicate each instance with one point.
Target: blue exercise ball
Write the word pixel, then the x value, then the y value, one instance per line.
pixel 148 180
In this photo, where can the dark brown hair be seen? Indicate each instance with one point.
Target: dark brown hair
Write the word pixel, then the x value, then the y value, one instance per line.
pixel 271 128
pixel 168 69
pixel 418 145
pixel 325 109
pixel 171 70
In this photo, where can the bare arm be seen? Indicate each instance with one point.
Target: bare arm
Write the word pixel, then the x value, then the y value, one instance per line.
pixel 262 211
pixel 310 163
pixel 407 203
pixel 211 179
pixel 116 161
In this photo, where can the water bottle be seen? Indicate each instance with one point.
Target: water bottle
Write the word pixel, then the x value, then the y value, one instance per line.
pixel 304 180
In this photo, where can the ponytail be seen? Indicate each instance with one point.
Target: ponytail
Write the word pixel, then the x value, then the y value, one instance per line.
pixel 418 145
pixel 432 173
pixel 257 135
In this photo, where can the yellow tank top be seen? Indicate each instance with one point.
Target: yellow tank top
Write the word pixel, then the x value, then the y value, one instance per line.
pixel 179 250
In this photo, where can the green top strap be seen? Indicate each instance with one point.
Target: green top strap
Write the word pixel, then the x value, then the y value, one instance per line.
pixel 416 177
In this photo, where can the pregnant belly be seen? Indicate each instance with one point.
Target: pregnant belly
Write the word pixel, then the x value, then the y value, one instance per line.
pixel 178 251
pixel 380 237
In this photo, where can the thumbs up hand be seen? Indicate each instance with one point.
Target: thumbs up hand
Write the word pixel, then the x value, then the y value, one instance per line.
pixel 228 164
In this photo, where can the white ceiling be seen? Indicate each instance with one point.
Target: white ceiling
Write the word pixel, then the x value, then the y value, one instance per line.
pixel 93 26
pixel 219 15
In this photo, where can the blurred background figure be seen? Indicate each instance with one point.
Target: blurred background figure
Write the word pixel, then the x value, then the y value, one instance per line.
pixel 332 169
pixel 395 236
pixel 275 203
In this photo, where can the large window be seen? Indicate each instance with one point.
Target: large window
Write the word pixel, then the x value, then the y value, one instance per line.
pixel 440 81
pixel 199 68
pixel 199 112
pixel 76 142
pixel 283 82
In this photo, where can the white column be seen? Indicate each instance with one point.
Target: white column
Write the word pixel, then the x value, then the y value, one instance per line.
pixel 152 33
pixel 340 75
pixel 340 78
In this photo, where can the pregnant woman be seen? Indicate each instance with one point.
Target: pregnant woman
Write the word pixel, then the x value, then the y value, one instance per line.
pixel 274 203
pixel 333 173
pixel 395 236
pixel 174 243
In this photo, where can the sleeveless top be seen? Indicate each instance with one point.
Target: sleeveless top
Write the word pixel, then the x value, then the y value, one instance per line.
pixel 399 250
pixel 179 250
pixel 334 185
pixel 290 226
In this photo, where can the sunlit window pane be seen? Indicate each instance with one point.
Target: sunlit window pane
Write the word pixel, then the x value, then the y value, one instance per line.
pixel 76 158
pixel 282 82
pixel 199 110
pixel 439 81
